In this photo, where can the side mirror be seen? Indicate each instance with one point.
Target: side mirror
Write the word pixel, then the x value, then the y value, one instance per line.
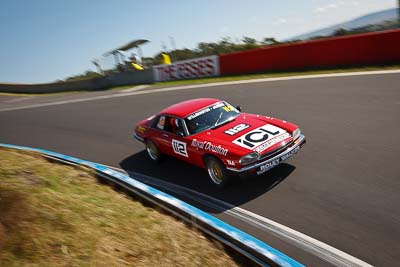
pixel 239 108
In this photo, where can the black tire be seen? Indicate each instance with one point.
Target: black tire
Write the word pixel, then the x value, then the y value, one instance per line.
pixel 217 172
pixel 152 151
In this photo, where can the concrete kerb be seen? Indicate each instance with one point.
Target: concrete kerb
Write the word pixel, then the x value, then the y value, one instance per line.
pixel 245 244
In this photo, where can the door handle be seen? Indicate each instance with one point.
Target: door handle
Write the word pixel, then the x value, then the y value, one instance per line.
pixel 165 135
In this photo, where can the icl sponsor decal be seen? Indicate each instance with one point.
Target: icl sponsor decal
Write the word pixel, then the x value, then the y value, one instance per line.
pixel 272 142
pixel 258 136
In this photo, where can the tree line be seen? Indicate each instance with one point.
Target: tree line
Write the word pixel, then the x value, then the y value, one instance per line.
pixel 227 45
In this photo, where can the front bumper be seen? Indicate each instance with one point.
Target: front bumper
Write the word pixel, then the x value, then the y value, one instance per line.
pixel 137 137
pixel 265 165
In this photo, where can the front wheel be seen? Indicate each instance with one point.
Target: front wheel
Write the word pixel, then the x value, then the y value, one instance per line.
pixel 217 172
pixel 153 151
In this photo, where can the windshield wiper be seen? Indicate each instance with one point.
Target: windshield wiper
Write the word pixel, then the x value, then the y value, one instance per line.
pixel 220 116
pixel 224 122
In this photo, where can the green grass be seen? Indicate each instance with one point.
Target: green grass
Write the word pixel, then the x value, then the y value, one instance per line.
pixel 124 87
pixel 41 94
pixel 117 88
pixel 57 215
pixel 238 78
pixel 273 75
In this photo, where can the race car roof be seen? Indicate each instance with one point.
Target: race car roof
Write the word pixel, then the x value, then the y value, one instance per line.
pixel 185 108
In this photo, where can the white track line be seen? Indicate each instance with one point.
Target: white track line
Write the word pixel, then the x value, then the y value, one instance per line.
pixel 134 89
pixel 18 99
pixel 307 243
pixel 186 87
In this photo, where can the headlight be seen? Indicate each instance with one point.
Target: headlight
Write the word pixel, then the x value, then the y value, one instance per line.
pixel 250 158
pixel 296 133
pixel 140 129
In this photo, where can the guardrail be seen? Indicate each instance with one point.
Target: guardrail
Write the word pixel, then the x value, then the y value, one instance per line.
pixel 243 243
pixel 100 83
pixel 45 88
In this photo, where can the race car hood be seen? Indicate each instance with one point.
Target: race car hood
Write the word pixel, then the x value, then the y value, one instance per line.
pixel 247 133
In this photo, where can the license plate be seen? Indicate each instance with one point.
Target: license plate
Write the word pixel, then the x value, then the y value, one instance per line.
pixel 270 164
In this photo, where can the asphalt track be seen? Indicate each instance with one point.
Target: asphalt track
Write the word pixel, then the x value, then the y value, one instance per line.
pixel 342 188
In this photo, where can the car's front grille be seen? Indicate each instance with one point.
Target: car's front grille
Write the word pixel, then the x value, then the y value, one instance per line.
pixel 276 151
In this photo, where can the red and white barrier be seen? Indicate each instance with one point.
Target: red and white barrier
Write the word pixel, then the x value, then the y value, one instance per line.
pixel 350 50
pixel 188 69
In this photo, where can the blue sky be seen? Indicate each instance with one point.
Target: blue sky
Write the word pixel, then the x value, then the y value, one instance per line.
pixel 46 40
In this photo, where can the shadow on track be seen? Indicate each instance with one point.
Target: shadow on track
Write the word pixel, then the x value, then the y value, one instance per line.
pixel 174 171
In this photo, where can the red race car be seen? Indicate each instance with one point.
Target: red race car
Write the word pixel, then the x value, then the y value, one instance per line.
pixel 212 134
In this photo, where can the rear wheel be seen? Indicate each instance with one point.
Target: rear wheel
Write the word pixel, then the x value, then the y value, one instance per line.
pixel 153 151
pixel 217 172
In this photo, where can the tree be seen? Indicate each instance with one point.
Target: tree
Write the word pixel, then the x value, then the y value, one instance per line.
pixel 398 15
pixel 249 43
pixel 269 41
pixel 207 49
pixel 340 32
pixel 249 40
pixel 87 75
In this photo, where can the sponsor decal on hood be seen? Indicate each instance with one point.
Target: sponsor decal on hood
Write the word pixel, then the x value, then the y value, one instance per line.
pixel 236 129
pixel 261 138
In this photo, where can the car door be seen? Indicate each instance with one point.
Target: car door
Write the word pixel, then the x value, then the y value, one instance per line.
pixel 182 145
pixel 170 135
pixel 175 137
pixel 159 134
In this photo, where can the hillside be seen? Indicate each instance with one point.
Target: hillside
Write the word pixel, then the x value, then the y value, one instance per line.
pixel 363 21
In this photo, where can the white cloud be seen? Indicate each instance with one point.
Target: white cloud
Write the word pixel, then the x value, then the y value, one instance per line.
pixel 323 9
pixel 280 21
pixel 319 10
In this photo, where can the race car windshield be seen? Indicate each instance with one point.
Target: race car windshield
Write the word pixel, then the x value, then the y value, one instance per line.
pixel 210 117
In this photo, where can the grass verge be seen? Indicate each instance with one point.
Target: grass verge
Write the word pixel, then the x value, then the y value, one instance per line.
pixel 57 215
pixel 273 75
pixel 234 78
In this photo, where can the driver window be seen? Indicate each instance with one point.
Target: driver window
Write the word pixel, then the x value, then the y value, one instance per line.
pixel 180 129
pixel 174 125
pixel 161 123
pixel 169 124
